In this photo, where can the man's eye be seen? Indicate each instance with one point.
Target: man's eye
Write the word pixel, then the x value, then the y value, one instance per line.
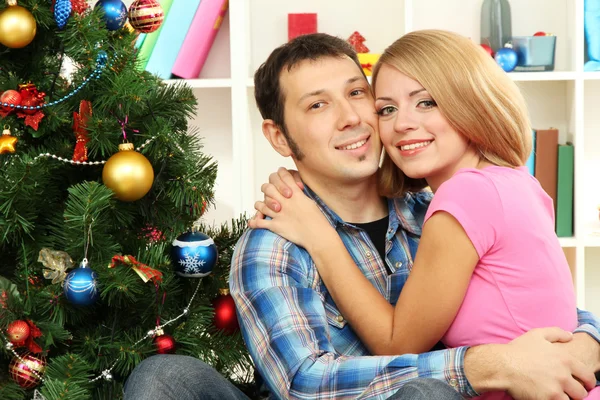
pixel 317 105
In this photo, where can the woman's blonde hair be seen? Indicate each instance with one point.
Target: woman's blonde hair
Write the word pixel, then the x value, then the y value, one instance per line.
pixel 472 92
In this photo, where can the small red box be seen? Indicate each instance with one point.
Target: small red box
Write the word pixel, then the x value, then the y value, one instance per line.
pixel 301 24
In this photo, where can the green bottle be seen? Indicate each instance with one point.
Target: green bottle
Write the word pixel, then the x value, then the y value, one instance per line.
pixel 496 28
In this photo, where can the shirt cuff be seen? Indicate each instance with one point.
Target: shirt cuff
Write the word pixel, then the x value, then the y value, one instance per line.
pixel 590 330
pixel 453 371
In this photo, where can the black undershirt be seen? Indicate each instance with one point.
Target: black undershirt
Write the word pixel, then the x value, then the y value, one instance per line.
pixel 376 231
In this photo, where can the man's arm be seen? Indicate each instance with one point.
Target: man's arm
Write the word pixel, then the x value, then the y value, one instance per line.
pixel 535 365
pixel 588 323
pixel 285 327
pixel 585 345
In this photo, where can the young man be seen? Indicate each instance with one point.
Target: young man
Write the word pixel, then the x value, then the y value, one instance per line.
pixel 317 108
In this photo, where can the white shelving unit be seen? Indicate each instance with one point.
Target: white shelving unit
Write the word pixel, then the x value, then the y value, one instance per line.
pixel 565 98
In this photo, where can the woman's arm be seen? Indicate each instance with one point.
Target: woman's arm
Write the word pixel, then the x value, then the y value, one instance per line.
pixel 428 302
pixel 430 298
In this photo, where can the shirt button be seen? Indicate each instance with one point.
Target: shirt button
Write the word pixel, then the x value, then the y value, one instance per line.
pixel 369 254
pixel 398 265
pixel 453 382
pixel 340 318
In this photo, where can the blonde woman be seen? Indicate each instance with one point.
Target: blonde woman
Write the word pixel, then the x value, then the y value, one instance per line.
pixel 489 266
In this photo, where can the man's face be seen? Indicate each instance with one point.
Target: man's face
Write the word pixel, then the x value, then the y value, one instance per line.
pixel 329 113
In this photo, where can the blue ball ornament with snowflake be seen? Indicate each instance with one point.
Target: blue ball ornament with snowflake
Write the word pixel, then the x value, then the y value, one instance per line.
pixel 193 255
pixel 81 285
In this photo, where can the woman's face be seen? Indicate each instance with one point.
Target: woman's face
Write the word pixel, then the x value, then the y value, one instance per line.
pixel 415 134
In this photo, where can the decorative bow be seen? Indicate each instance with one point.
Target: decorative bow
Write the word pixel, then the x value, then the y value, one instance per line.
pixel 145 272
pixel 56 263
pixel 367 66
pixel 30 96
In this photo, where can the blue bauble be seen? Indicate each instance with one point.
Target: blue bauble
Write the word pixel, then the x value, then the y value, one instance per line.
pixel 81 286
pixel 194 255
pixel 506 58
pixel 62 12
pixel 115 13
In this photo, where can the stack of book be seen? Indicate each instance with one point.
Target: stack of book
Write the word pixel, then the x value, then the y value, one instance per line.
pixel 179 48
pixel 553 165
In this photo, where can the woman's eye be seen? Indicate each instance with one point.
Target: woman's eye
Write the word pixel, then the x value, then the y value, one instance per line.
pixel 387 110
pixel 427 104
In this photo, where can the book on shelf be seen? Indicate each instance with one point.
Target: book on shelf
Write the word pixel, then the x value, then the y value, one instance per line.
pixel 546 160
pixel 200 38
pixel 172 34
pixel 554 168
pixel 147 41
pixel 530 164
pixel 565 186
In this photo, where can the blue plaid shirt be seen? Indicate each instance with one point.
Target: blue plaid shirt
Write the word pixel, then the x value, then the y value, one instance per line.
pixel 302 345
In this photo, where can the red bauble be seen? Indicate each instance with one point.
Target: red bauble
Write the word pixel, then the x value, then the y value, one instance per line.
pixel 30 102
pixel 146 15
pixel 540 33
pixel 225 316
pixel 18 332
pixel 165 344
pixel 21 371
pixel 488 49
pixel 10 97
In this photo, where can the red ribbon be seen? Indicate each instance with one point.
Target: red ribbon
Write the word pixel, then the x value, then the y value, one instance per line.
pixel 144 271
pixel 80 120
pixel 368 66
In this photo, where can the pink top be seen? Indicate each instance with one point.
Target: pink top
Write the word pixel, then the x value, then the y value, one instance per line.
pixel 522 280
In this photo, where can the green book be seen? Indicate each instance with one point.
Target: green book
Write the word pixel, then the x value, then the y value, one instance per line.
pixel 150 38
pixel 565 186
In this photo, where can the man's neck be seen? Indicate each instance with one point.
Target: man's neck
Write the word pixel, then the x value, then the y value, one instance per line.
pixel 358 202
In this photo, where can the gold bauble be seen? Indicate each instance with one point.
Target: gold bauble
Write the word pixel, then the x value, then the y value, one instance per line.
pixel 17 27
pixel 128 174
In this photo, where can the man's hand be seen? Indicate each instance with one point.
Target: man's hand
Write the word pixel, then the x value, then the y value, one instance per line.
pixel 530 367
pixel 584 348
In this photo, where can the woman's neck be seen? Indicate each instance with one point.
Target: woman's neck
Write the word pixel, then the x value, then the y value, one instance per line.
pixel 468 161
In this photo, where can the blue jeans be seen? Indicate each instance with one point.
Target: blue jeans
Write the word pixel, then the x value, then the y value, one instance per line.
pixel 176 377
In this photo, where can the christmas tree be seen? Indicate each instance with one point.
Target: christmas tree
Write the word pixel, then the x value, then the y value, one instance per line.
pixel 101 183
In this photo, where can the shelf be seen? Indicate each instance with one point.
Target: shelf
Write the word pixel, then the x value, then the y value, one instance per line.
pixel 543 76
pixel 567 241
pixel 202 83
pixel 592 240
pixel 592 76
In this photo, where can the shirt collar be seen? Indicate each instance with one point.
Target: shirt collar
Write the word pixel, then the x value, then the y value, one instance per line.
pixel 406 212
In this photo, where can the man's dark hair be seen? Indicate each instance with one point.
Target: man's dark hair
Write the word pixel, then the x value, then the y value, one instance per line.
pixel 267 89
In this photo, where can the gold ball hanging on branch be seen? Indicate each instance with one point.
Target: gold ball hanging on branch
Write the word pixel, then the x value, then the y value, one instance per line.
pixel 17 26
pixel 128 174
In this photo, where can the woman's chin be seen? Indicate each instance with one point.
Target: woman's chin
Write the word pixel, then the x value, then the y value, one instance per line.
pixel 414 174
